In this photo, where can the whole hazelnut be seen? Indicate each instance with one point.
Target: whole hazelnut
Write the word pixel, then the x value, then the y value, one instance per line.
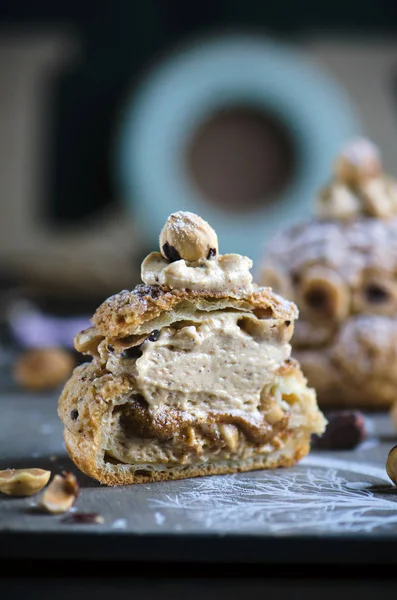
pixel 391 464
pixel 61 494
pixel 43 368
pixel 345 430
pixel 358 162
pixel 337 201
pixel 187 236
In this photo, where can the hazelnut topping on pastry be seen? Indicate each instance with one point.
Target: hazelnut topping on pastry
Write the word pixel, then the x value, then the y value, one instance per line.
pixel 360 187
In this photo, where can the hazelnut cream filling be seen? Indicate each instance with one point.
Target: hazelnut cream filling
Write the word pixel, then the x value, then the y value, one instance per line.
pixel 201 385
pixel 169 436
pixel 228 272
pixel 212 364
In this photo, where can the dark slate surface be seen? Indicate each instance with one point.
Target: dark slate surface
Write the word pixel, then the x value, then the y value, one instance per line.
pixel 322 510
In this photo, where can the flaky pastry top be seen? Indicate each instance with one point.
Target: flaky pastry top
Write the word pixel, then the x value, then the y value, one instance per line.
pixel 186 278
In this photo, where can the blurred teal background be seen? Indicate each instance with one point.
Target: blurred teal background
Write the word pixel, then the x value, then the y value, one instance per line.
pixel 112 114
pixel 238 128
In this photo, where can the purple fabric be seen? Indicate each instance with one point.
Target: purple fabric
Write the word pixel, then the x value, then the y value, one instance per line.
pixel 34 329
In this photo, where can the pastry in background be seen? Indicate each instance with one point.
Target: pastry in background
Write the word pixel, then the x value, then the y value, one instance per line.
pixel 341 270
pixel 39 369
pixel 191 371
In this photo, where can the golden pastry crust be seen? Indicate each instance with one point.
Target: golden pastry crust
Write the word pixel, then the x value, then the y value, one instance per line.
pixel 93 393
pixel 88 397
pixel 87 456
pixel 149 306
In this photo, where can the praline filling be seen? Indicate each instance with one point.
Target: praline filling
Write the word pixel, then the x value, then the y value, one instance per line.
pixel 196 388
pixel 142 436
pixel 136 420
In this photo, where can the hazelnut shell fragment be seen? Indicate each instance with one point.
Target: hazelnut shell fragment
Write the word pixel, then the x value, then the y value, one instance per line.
pixel 87 341
pixel 61 494
pixel 23 482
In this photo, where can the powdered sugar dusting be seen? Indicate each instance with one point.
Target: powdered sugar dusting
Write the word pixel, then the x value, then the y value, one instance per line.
pixel 359 150
pixel 348 247
pixel 183 221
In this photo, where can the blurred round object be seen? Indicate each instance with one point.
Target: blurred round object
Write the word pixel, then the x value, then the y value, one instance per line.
pixel 237 128
pixel 43 368
pixel 340 269
pixel 257 158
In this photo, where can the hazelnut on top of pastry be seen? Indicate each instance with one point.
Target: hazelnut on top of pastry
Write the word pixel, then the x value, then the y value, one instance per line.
pixel 359 186
pixel 187 236
pixel 191 371
pixel 190 259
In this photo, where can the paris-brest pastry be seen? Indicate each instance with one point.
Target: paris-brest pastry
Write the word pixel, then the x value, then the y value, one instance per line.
pixel 340 268
pixel 191 371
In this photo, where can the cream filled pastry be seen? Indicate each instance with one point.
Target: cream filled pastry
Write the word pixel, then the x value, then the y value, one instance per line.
pixel 191 371
pixel 341 269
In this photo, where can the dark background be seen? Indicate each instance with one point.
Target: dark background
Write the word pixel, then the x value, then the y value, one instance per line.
pixel 120 40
